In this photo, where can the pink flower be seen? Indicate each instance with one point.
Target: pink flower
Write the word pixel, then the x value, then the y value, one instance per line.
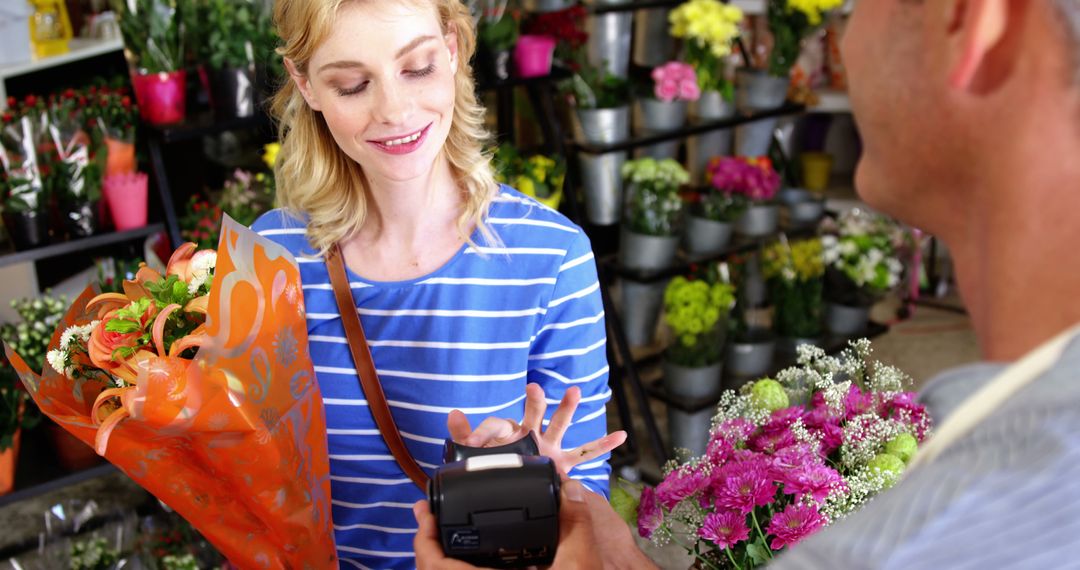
pixel 795 457
pixel 904 407
pixel 724 529
pixel 742 491
pixel 649 513
pixel 814 480
pixel 832 437
pixel 666 90
pixel 781 420
pixel 689 91
pixel 719 450
pixel 790 526
pixel 857 403
pixel 679 485
pixel 734 431
pixel 772 442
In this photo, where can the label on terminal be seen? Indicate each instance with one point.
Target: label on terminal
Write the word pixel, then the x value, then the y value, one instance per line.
pixel 498 461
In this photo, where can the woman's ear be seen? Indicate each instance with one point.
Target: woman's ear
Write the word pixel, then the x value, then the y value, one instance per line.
pixel 302 83
pixel 452 46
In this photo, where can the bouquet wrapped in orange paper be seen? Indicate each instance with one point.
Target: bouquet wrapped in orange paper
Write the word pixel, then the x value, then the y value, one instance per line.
pixel 198 385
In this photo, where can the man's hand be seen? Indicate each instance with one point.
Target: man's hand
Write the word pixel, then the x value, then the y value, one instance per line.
pixel 493 432
pixel 576 540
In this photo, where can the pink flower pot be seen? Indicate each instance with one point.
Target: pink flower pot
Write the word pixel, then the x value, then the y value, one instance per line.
pixel 162 97
pixel 126 195
pixel 532 55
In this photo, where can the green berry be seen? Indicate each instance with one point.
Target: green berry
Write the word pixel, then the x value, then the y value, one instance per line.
pixel 890 466
pixel 768 394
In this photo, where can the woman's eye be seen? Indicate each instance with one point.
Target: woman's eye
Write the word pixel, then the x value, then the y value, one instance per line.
pixel 422 72
pixel 352 90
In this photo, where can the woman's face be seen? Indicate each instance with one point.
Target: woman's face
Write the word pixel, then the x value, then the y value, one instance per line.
pixel 384 82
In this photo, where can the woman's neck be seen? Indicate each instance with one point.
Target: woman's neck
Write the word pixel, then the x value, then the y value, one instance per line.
pixel 406 213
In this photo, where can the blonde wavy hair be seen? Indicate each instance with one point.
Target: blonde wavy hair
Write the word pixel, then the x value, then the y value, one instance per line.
pixel 315 177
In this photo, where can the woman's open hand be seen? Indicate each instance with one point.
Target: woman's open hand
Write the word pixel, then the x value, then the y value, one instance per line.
pixel 493 432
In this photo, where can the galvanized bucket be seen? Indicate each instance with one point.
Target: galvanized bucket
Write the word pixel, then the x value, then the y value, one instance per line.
pixel 601 174
pixel 758 220
pixel 710 107
pixel 609 41
pixel 645 252
pixel 693 383
pixel 658 117
pixel 690 430
pixel 844 320
pixel 640 310
pixel 705 236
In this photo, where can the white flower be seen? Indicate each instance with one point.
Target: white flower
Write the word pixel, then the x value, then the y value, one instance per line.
pixel 65 338
pixel 828 241
pixel 57 359
pixel 201 266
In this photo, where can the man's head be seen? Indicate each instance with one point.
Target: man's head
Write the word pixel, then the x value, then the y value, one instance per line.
pixel 950 93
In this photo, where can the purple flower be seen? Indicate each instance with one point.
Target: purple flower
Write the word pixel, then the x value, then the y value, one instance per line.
pixel 772 442
pixel 832 437
pixel 679 485
pixel 781 420
pixel 724 529
pixel 796 456
pixel 793 524
pixel 719 450
pixel 857 402
pixel 904 407
pixel 744 488
pixel 814 480
pixel 649 513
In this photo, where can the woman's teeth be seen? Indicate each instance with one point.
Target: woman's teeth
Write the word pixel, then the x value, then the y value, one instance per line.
pixel 404 140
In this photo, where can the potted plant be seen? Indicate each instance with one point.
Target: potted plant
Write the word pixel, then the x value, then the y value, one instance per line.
pixel 563 20
pixel 72 165
pixel 673 86
pixel 229 37
pixel 601 107
pixel 710 220
pixel 707 29
pixel 789 22
pixel 112 112
pixel 862 265
pixel 795 275
pixel 650 233
pixel 696 312
pixel 538 176
pixel 497 32
pixel 752 185
pixel 154 46
pixel 23 194
pixel 14 418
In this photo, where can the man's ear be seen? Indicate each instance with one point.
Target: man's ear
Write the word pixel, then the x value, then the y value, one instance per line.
pixel 976 27
pixel 302 83
pixel 452 45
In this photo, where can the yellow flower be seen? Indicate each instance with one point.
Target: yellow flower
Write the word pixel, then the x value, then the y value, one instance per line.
pixel 270 153
pixel 525 185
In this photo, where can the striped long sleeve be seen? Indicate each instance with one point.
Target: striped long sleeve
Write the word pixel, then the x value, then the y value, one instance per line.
pixel 468 336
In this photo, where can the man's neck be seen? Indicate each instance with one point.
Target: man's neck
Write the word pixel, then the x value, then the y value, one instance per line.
pixel 1017 262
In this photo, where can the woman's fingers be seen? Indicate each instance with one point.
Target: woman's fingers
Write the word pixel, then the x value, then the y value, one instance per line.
pixel 492 432
pixel 458 426
pixel 535 406
pixel 594 449
pixel 562 417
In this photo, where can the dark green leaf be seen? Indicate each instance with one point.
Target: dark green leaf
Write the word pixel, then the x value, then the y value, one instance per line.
pixel 122 326
pixel 758 553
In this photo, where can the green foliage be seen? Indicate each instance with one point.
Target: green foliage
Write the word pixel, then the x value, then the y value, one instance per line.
pixel 230 32
pixel 499 35
pixel 595 88
pixel 93 554
pixel 30 336
pixel 719 206
pixel 153 32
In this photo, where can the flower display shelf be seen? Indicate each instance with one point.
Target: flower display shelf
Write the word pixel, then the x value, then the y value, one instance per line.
pixel 832 345
pixel 78 245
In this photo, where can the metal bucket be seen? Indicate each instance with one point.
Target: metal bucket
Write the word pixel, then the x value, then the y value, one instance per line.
pixel 757 90
pixel 758 220
pixel 705 236
pixel 640 311
pixel 693 383
pixel 540 6
pixel 645 252
pixel 752 357
pixel 602 184
pixel 690 430
pixel 844 320
pixel 609 41
pixel 602 126
pixel 710 107
pixel 653 44
pixel 659 117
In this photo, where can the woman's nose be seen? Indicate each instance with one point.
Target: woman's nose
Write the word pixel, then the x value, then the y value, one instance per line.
pixel 394 104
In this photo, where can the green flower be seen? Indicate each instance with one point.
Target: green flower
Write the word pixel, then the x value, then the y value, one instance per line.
pixel 903 446
pixel 768 394
pixel 889 466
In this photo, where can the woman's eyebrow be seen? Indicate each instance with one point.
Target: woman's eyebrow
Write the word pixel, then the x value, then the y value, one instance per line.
pixel 352 64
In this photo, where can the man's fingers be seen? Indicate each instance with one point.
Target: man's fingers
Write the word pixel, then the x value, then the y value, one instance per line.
pixel 596 448
pixel 492 431
pixel 560 420
pixel 458 426
pixel 535 406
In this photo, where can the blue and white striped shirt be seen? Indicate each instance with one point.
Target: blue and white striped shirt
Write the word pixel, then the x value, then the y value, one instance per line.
pixel 468 336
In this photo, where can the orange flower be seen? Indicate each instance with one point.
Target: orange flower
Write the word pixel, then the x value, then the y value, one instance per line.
pixel 103 343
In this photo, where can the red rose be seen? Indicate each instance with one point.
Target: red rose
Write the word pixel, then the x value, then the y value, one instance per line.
pixel 11 102
pixel 31 100
pixel 126 102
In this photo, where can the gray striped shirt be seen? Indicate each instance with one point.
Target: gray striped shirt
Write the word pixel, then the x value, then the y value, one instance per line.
pixel 1006 495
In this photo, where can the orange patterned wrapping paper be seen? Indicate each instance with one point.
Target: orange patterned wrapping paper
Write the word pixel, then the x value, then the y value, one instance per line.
pixel 234 440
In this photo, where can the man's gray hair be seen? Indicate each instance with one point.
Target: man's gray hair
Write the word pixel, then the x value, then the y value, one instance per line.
pixel 1070 12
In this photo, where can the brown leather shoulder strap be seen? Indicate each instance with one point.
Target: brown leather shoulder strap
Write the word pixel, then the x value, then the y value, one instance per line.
pixel 365 369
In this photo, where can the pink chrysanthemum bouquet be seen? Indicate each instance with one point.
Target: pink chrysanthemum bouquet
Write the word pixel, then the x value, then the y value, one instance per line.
pixel 786 458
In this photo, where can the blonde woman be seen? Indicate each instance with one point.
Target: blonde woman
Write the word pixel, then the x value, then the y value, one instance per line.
pixel 467 290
